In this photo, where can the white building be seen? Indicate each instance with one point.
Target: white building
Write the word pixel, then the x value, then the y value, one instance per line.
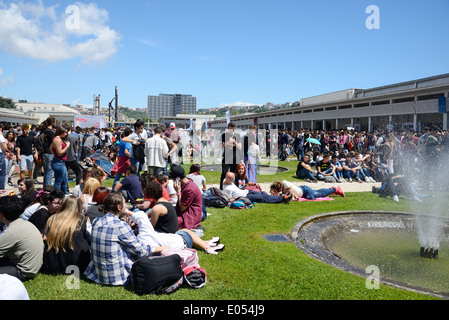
pixel 41 111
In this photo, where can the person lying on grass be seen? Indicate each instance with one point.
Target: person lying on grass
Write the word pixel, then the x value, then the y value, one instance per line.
pixel 287 188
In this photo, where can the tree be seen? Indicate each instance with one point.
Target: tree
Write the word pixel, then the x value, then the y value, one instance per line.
pixel 7 103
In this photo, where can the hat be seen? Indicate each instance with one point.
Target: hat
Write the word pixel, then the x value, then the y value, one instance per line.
pixel 172 125
pixel 176 172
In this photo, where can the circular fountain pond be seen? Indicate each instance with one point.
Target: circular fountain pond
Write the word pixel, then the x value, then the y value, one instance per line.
pixel 261 169
pixel 357 241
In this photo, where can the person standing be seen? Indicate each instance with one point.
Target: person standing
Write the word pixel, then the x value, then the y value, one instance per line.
pixel 175 136
pixel 11 158
pixel 138 140
pixel 252 153
pixel 72 158
pixel 231 144
pixel 3 149
pixel 47 127
pixel 124 153
pixel 59 148
pixel 156 150
pixel 25 154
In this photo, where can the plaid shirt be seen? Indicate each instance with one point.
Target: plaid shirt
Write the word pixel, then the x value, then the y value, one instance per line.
pixel 114 250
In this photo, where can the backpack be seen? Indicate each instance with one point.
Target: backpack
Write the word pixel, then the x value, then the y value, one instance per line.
pixel 139 150
pixel 215 202
pixel 241 203
pixel 39 142
pixel 219 193
pixel 156 274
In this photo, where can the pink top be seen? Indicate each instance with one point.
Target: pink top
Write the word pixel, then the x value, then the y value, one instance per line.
pixel 63 157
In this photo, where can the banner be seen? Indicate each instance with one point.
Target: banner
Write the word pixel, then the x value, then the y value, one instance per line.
pixel 90 121
pixel 228 117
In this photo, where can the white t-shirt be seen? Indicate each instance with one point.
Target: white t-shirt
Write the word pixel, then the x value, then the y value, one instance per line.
pixel 149 236
pixel 30 210
pixel 295 189
pixel 12 288
pixel 171 191
pixel 233 191
pixel 198 179
pixel 2 140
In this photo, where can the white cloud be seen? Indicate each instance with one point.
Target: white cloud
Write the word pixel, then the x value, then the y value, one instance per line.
pixel 239 104
pixel 35 31
pixel 5 82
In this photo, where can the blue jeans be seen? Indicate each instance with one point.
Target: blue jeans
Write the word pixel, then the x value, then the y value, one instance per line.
pixel 48 171
pixel 2 171
pixel 303 173
pixel 321 176
pixel 117 178
pixel 263 197
pixel 309 193
pixel 9 165
pixel 61 176
pixel 350 174
pixel 138 163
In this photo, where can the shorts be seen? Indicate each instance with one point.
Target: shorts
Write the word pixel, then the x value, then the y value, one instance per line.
pixel 186 237
pixel 26 163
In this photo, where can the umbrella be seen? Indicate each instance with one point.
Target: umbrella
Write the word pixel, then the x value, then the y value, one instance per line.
pixel 314 141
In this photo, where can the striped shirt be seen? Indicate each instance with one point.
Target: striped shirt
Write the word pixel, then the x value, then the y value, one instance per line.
pixel 114 250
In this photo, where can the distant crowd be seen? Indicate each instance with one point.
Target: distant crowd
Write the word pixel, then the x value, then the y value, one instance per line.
pixel 155 207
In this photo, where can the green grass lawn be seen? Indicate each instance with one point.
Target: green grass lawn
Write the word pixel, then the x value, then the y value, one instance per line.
pixel 251 268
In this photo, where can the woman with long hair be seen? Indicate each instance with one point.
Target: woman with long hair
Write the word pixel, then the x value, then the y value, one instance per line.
pixel 92 211
pixel 67 240
pixel 241 180
pixel 59 149
pixel 27 191
pixel 90 186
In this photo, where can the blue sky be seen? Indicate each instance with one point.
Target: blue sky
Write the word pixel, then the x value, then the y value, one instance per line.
pixel 222 52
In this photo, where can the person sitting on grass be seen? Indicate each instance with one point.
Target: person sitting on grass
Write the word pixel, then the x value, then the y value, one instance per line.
pixel 162 227
pixel 114 246
pixel 326 168
pixel 241 180
pixel 286 187
pixel 304 169
pixel 21 246
pixel 130 187
pixel 396 185
pixel 235 193
pixel 67 240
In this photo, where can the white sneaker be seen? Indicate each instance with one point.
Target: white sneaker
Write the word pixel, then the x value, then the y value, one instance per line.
pixel 367 180
pixel 395 199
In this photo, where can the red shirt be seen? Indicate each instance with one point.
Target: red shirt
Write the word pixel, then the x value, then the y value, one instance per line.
pixel 191 198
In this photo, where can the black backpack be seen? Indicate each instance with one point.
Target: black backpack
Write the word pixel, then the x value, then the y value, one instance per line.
pixel 157 274
pixel 214 202
pixel 139 150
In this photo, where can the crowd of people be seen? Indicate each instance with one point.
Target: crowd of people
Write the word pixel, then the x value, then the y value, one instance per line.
pixel 154 205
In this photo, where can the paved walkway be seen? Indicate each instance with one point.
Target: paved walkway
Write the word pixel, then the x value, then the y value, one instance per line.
pixel 347 187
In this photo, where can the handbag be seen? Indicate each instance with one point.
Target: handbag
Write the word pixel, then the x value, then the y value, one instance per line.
pixel 157 274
